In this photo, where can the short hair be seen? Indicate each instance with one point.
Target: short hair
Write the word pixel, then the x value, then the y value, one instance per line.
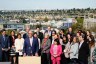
pixel 54 31
pixel 18 34
pixel 62 30
pixel 12 31
pixel 35 33
pixel 75 37
pixel 3 30
pixel 83 36
pixel 37 27
pixel 57 40
pixel 46 34
pixel 30 31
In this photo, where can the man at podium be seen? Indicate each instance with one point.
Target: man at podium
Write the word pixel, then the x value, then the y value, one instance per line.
pixel 31 45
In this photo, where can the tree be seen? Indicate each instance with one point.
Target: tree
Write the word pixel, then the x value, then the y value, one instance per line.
pixel 46 19
pixel 38 25
pixel 78 25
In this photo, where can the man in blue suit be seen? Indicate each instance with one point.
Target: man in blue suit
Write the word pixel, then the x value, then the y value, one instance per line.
pixel 31 45
pixel 0 53
pixel 5 45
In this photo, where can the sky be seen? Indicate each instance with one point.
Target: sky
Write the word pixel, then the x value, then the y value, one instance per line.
pixel 45 4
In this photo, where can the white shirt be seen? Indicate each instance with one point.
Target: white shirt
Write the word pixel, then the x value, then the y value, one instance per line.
pixel 19 43
pixel 52 39
pixel 39 42
pixel 31 41
pixel 81 44
pixel 49 32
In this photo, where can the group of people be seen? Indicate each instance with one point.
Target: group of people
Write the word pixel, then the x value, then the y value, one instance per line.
pixel 68 48
pixel 14 45
pixel 53 47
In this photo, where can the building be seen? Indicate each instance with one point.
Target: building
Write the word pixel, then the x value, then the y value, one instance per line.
pixel 89 23
pixel 65 23
pixel 11 25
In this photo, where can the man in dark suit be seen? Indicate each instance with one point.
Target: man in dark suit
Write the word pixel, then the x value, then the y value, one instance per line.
pixel 31 45
pixel 26 34
pixel 5 45
pixel 0 53
pixel 49 31
pixel 39 34
pixel 83 50
pixel 70 31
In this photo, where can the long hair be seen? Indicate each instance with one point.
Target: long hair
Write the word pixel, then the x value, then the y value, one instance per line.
pixel 92 42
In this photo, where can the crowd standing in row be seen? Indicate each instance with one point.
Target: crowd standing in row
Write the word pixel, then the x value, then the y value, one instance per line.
pixel 53 47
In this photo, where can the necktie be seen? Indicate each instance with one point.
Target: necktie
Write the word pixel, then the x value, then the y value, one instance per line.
pixel 4 38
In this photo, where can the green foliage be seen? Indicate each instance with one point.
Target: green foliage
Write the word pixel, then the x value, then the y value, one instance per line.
pixel 46 19
pixel 93 29
pixel 80 20
pixel 24 21
pixel 8 32
pixel 78 25
pixel 38 25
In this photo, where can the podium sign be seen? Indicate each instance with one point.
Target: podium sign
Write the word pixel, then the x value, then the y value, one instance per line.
pixel 5 62
pixel 30 60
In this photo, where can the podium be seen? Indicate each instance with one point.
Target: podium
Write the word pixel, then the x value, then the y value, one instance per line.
pixel 30 60
pixel 5 62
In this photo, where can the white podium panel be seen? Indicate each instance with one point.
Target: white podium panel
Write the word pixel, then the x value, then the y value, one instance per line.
pixel 5 62
pixel 30 60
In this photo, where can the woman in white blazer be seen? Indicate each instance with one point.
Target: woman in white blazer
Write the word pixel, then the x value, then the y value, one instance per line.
pixel 19 42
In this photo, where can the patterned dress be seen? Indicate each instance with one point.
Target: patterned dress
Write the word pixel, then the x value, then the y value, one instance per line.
pixel 94 56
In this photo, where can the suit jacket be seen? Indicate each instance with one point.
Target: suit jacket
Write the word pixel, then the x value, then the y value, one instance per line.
pixel 28 49
pixel 40 36
pixel 4 43
pixel 25 36
pixel 59 52
pixel 0 53
pixel 47 46
pixel 11 40
pixel 46 31
pixel 83 53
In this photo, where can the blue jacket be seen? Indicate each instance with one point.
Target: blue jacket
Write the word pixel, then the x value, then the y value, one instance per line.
pixel 4 43
pixel 0 52
pixel 28 49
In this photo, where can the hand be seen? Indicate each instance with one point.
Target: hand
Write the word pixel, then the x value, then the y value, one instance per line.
pixel 3 49
pixel 44 52
pixel 13 46
pixel 65 51
pixel 24 54
pixel 36 54
pixel 19 49
pixel 55 55
pixel 92 58
pixel 8 48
